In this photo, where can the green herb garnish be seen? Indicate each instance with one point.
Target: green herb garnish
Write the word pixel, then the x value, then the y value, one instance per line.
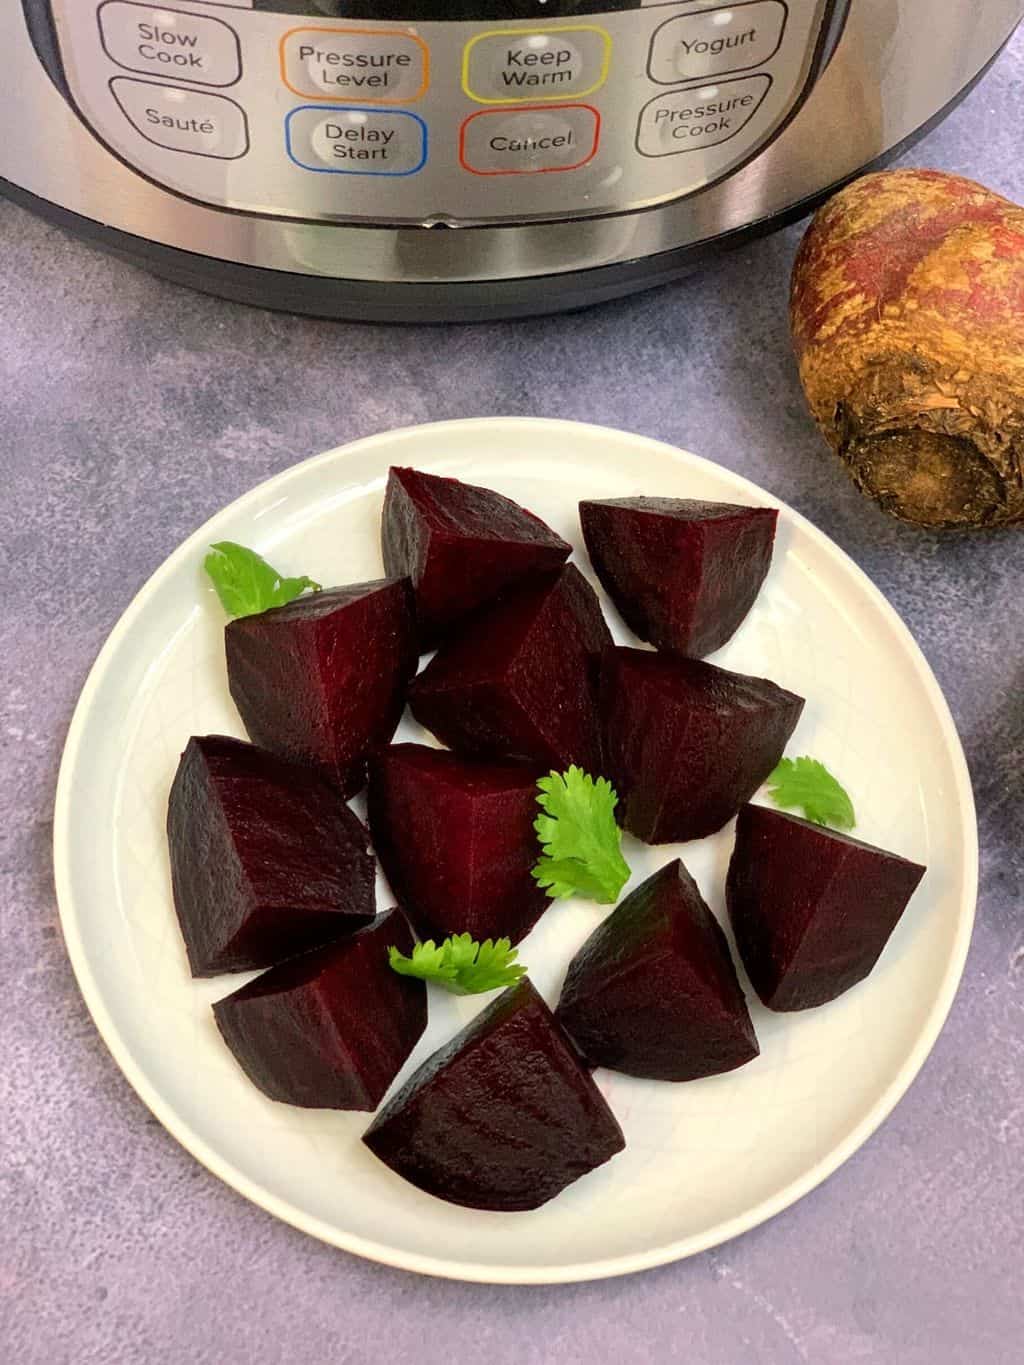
pixel 807 785
pixel 246 584
pixel 461 965
pixel 582 843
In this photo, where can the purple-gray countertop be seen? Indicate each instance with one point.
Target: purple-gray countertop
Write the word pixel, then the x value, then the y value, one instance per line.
pixel 131 411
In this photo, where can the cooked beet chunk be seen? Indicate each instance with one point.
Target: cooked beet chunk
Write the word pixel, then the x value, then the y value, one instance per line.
pixel 811 909
pixel 323 679
pixel 504 1117
pixel 266 859
pixel 456 840
pixel 653 991
pixel 683 574
pixel 460 544
pixel 687 743
pixel 332 1028
pixel 519 681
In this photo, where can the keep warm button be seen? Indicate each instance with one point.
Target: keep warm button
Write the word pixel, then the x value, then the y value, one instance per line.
pixel 510 66
pixel 524 141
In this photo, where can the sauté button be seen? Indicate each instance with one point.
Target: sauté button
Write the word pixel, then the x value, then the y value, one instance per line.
pixel 690 120
pixel 169 42
pixel 510 66
pixel 713 42
pixel 525 141
pixel 354 64
pixel 342 141
pixel 183 120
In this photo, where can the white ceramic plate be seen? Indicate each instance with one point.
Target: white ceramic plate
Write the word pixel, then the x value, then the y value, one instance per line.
pixel 704 1161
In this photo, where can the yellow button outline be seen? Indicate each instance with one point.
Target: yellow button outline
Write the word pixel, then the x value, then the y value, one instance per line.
pixel 562 95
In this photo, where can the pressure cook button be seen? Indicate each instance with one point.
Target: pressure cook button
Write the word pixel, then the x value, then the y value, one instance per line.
pixel 353 64
pixel 713 42
pixel 169 42
pixel 690 120
pixel 523 141
pixel 508 67
pixel 342 141
pixel 183 120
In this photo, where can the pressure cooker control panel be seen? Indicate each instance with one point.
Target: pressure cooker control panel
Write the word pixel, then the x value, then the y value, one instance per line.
pixel 388 122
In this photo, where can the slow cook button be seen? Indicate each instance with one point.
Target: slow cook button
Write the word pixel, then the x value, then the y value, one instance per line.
pixel 168 42
pixel 351 64
pixel 695 46
pixel 524 141
pixel 356 141
pixel 183 120
pixel 546 64
pixel 691 120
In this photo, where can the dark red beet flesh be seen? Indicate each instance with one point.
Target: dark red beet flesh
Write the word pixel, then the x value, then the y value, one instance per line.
pixel 456 840
pixel 687 743
pixel 460 544
pixel 504 1117
pixel 266 859
pixel 811 909
pixel 683 574
pixel 653 991
pixel 518 682
pixel 323 679
pixel 330 1029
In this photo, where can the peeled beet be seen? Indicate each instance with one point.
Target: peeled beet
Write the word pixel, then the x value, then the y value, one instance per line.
pixel 504 1117
pixel 811 909
pixel 330 1029
pixel 456 840
pixel 653 991
pixel 323 679
pixel 519 680
pixel 687 743
pixel 683 574
pixel 266 859
pixel 461 545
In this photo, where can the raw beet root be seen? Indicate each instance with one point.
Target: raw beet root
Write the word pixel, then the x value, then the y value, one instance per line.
pixel 519 681
pixel 683 574
pixel 687 743
pixel 330 1029
pixel 504 1117
pixel 811 909
pixel 323 679
pixel 456 840
pixel 460 544
pixel 266 859
pixel 653 991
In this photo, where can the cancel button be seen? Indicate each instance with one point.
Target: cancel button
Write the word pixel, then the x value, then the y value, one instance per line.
pixel 523 141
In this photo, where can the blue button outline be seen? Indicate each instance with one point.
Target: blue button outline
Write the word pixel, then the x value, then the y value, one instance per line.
pixel 353 109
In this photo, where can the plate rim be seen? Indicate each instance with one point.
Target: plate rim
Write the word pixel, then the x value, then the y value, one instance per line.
pixel 474 1272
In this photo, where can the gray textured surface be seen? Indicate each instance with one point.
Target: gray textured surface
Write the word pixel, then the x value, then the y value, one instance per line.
pixel 131 411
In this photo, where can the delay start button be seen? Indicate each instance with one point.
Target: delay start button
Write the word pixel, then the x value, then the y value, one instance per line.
pixel 169 42
pixel 513 65
pixel 379 67
pixel 691 120
pixel 525 141
pixel 343 141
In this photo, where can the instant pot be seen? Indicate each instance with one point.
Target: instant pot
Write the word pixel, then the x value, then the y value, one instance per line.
pixel 458 159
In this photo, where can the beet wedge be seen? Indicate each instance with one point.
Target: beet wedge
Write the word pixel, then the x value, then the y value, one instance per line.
pixel 811 909
pixel 461 545
pixel 266 859
pixel 519 681
pixel 686 743
pixel 323 679
pixel 332 1028
pixel 653 991
pixel 456 840
pixel 504 1117
pixel 682 573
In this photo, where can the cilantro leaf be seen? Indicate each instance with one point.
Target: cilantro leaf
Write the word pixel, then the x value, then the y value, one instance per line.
pixel 246 584
pixel 807 785
pixel 581 842
pixel 461 965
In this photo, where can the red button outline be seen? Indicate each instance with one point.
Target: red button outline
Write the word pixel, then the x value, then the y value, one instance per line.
pixel 529 109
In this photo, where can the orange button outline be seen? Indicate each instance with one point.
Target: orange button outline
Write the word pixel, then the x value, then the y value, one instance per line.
pixel 505 112
pixel 363 33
